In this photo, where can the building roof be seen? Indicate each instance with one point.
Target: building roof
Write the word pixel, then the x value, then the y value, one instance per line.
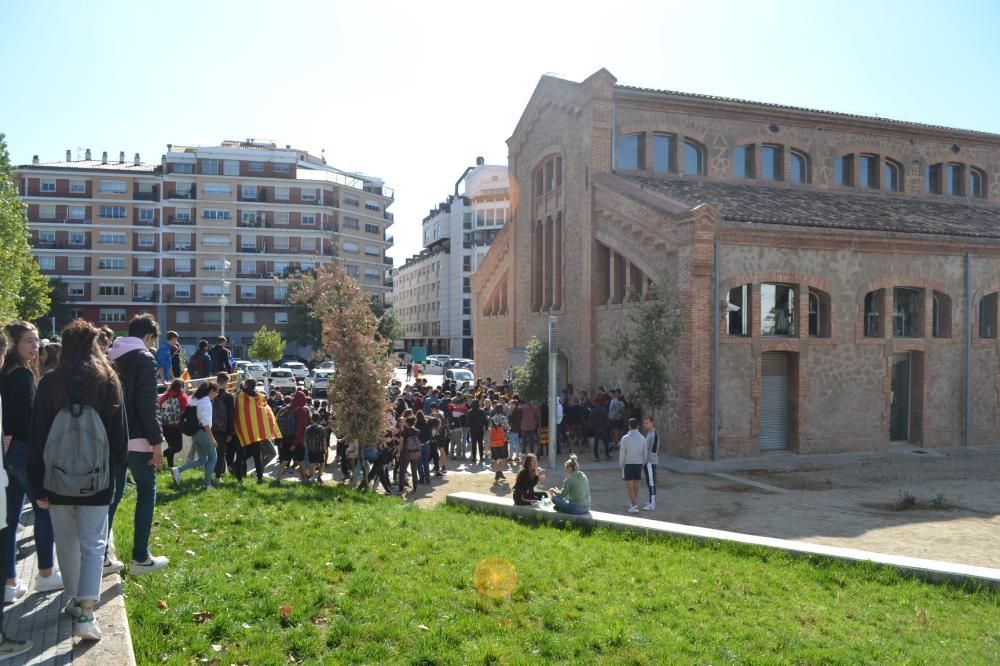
pixel 812 207
pixel 95 165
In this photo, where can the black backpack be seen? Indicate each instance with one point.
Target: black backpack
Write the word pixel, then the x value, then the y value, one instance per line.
pixel 189 422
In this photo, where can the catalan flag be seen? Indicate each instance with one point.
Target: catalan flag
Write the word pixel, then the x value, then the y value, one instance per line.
pixel 255 421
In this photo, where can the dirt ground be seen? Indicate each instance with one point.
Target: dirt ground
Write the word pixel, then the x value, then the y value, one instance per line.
pixel 941 504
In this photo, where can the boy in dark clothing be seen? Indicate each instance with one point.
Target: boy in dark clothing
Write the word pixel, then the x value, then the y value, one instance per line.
pixel 222 358
pixel 200 363
pixel 224 427
pixel 317 441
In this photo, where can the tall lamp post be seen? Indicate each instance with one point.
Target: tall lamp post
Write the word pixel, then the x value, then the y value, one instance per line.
pixel 224 298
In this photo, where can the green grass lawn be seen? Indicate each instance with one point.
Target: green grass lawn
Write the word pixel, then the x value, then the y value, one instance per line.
pixel 323 575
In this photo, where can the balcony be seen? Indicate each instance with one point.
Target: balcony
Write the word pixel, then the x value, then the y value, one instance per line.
pixel 137 247
pixel 388 216
pixel 146 196
pixel 387 261
pixel 182 194
pixel 173 220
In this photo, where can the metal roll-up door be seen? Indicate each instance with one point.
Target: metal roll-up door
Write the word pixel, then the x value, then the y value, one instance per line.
pixel 774 411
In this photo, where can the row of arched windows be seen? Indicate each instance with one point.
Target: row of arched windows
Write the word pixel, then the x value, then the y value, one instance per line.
pixel 672 153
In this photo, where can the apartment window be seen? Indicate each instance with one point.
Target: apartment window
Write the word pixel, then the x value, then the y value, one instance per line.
pixel 182 290
pixel 146 240
pixel 308 219
pixel 281 293
pixel 216 214
pixel 873 314
pixel 799 166
pixel 352 270
pixel 231 168
pixel 373 229
pixel 467 264
pixel 738 309
pixel 112 212
pixel 216 239
pixel 307 244
pixel 210 167
pixel 247 266
pixel 977 183
pixel 76 289
pixel 113 187
pixel 282 193
pixel 182 214
pixel 211 265
pixel 868 171
pixel 281 243
pixel 249 191
pixel 182 316
pixel 183 167
pixel 113 316
pixel 47 263
pixel 182 265
pixel 78 187
pixel 77 238
pixel 694 158
pixel 109 238
pixel 281 217
pixel 77 264
pixel 248 291
pixel 988 316
pixel 371 274
pixel 932 179
pixel 211 290
pixel 247 242
pixel 76 212
pixel 248 217
pixel 892 176
pixel 46 237
pixel 351 247
pixel 843 171
pixel 664 153
pixel 111 263
pixel 427 236
pixel 351 223
pixel 743 162
pixel 146 266
pixel 466 306
pixel 307 266
pixel 255 167
pixel 217 189
pixel 280 167
pixel 46 212
pixel 372 251
pixel 280 317
pixel 351 201
pixel 111 290
pixel 48 186
pixel 309 195
pixel 146 214
pixel 466 286
pixel 467 220
pixel 182 241
pixel 248 317
pixel 372 205
pixel 466 327
pixel 480 218
pixel 955 179
pixel 630 153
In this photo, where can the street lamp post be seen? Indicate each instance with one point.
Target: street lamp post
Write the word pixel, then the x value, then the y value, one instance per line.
pixel 223 299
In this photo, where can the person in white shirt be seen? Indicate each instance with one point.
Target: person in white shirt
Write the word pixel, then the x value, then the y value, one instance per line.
pixel 631 458
pixel 652 458
pixel 204 441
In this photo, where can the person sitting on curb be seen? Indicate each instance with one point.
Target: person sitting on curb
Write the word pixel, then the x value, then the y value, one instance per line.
pixel 574 496
pixel 524 485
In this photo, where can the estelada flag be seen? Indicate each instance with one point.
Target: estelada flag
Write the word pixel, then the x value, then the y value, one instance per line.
pixel 255 421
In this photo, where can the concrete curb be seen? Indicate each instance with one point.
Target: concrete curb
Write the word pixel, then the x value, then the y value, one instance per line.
pixel 930 570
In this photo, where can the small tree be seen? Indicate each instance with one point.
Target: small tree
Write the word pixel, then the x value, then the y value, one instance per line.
pixel 646 344
pixel 390 328
pixel 267 345
pixel 531 380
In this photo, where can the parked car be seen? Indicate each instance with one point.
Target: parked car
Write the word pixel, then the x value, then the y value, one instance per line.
pixel 432 366
pixel 327 365
pixel 463 378
pixel 283 380
pixel 317 382
pixel 441 357
pixel 255 370
pixel 459 363
pixel 299 370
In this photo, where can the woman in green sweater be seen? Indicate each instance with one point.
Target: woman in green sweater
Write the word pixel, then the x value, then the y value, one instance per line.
pixel 574 496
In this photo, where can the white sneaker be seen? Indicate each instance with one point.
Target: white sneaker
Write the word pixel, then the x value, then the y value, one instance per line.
pixel 112 565
pixel 86 628
pixel 633 509
pixel 649 507
pixel 175 472
pixel 154 563
pixel 51 584
pixel 73 608
pixel 12 592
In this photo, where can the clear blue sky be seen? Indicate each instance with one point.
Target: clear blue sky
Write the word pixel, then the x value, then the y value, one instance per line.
pixel 413 92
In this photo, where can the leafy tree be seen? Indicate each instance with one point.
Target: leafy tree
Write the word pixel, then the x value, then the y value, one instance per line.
pixel 350 338
pixel 59 306
pixel 646 343
pixel 24 290
pixel 267 345
pixel 303 328
pixel 531 380
pixel 390 328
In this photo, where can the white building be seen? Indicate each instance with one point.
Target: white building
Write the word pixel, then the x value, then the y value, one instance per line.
pixel 431 291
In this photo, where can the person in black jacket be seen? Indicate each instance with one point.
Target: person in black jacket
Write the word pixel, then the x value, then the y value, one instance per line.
pixel 222 358
pixel 477 420
pixel 136 369
pixel 224 427
pixel 80 524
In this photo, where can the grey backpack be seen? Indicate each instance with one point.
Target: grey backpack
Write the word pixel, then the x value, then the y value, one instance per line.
pixel 77 456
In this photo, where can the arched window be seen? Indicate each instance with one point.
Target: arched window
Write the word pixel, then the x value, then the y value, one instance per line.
pixel 738 310
pixel 664 153
pixel 843 171
pixel 873 314
pixel 799 167
pixel 988 316
pixel 892 176
pixel 819 314
pixel 906 310
pixel 868 171
pixel 977 183
pixel 771 162
pixel 630 152
pixel 743 162
pixel 955 181
pixel 694 158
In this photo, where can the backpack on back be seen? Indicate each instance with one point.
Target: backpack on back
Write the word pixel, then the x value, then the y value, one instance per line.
pixel 412 447
pixel 497 436
pixel 170 412
pixel 77 456
pixel 196 366
pixel 286 423
pixel 220 413
pixel 189 422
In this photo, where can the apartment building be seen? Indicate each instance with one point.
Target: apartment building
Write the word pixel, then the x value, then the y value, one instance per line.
pixel 432 290
pixel 206 238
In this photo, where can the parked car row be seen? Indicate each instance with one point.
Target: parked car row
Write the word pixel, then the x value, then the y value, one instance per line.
pixel 289 376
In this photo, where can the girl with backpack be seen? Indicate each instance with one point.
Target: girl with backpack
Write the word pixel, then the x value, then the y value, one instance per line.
pixel 204 441
pixel 171 406
pixel 82 391
pixel 498 429
pixel 17 388
pixel 409 453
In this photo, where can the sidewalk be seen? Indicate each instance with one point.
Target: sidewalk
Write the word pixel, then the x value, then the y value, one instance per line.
pixel 39 618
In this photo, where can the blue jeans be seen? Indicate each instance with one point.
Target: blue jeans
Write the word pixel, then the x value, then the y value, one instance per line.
pixel 207 456
pixel 83 537
pixel 565 506
pixel 16 462
pixel 144 476
pixel 425 457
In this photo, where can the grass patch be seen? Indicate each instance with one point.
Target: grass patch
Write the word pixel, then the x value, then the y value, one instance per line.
pixel 325 575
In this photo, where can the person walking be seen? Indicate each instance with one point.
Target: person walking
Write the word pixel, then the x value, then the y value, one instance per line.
pixel 649 469
pixel 255 426
pixel 631 458
pixel 223 426
pixel 18 378
pixel 172 404
pixel 165 359
pixel 83 379
pixel 293 446
pixel 529 427
pixel 478 421
pixel 204 441
pixel 136 369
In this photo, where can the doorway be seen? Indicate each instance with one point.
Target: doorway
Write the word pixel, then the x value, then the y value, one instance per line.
pixel 775 401
pixel 902 390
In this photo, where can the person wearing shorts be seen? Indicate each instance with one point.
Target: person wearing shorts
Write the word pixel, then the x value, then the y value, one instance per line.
pixel 631 457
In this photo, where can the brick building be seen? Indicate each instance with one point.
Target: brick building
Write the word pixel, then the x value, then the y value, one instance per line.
pixel 837 276
pixel 129 237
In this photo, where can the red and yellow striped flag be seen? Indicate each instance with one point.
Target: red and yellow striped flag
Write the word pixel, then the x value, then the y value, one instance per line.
pixel 255 421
